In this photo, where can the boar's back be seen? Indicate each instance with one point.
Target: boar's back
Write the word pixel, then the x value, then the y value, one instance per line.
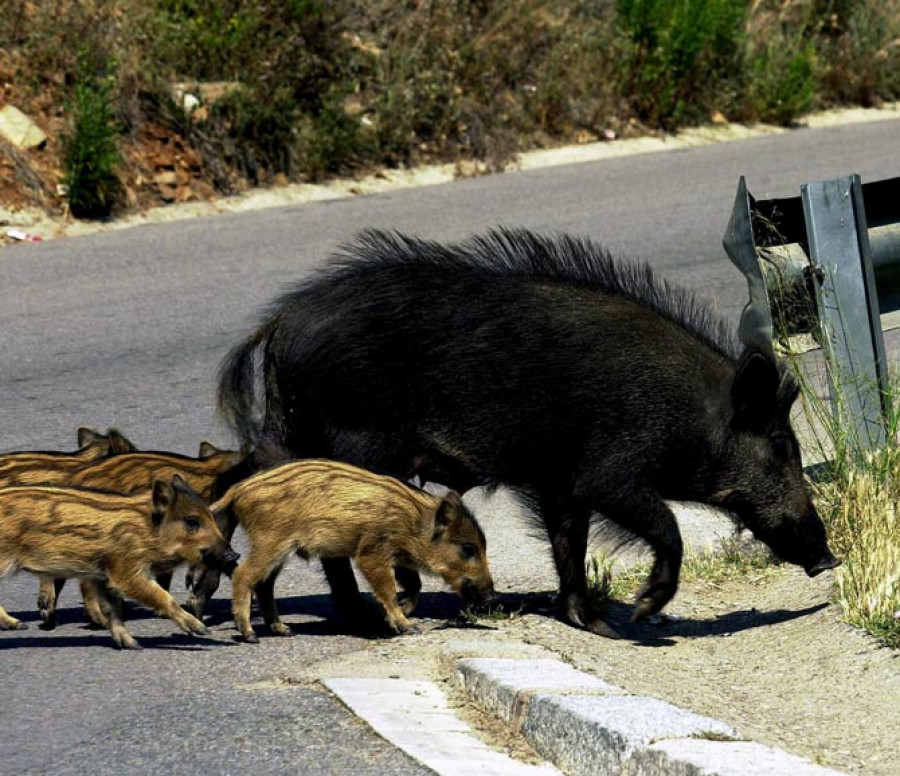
pixel 512 355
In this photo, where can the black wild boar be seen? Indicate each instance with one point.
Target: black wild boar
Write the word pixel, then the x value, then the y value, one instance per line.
pixel 542 364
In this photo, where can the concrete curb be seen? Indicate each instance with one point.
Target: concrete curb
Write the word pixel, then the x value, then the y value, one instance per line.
pixel 587 727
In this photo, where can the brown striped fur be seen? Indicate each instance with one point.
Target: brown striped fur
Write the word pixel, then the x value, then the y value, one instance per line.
pixel 38 467
pixel 326 509
pixel 129 473
pixel 133 472
pixel 113 540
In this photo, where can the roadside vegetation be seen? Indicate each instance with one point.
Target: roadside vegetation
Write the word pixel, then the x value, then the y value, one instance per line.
pixel 857 492
pixel 314 89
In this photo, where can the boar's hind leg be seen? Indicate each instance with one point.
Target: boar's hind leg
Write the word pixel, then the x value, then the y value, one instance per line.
pixel 48 593
pixel 265 597
pixel 568 531
pixel 344 589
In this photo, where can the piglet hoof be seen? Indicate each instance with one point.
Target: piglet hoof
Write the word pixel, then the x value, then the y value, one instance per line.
pixel 407 602
pixel 398 627
pixel 280 629
pixel 250 638
pixel 194 607
pixel 48 614
pixel 603 628
pixel 128 643
pixel 192 625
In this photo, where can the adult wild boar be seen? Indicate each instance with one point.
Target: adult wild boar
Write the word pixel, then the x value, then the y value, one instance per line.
pixel 542 364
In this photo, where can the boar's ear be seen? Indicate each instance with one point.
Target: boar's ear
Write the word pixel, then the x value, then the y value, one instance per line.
pixel 86 436
pixel 163 498
pixel 118 442
pixel 754 392
pixel 207 450
pixel 446 513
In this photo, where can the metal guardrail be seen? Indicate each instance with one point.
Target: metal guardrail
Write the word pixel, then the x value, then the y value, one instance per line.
pixel 825 262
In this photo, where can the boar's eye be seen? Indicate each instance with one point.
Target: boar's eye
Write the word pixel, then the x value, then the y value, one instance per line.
pixel 782 445
pixel 192 523
pixel 468 551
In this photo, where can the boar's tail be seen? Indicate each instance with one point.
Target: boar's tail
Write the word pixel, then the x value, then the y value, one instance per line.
pixel 238 402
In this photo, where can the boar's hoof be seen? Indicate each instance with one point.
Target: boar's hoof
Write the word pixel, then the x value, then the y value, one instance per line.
pixel 570 609
pixel 280 629
pixel 644 607
pixel 602 628
pixel 251 638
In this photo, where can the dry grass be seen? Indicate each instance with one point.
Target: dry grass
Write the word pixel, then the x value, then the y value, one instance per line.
pixel 860 508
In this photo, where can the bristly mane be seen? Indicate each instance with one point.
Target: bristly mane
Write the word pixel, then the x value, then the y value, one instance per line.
pixel 519 252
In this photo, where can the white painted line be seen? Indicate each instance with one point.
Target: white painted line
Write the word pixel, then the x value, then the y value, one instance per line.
pixel 415 717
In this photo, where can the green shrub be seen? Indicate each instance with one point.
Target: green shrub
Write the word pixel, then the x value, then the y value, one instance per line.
pixel 681 59
pixel 91 155
pixel 782 81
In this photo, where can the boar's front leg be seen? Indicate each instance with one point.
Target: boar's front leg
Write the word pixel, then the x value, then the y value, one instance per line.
pixel 410 584
pixel 106 600
pixel 645 514
pixel 268 608
pixel 376 565
pixel 94 604
pixel 133 584
pixel 8 622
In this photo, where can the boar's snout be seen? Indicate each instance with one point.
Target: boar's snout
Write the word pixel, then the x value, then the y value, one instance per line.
pixel 473 593
pixel 827 562
pixel 224 560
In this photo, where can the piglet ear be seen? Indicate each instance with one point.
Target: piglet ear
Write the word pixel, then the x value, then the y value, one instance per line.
pixel 163 498
pixel 445 513
pixel 118 442
pixel 207 450
pixel 754 392
pixel 86 436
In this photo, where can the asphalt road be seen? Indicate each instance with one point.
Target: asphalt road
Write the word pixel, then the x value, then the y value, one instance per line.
pixel 127 329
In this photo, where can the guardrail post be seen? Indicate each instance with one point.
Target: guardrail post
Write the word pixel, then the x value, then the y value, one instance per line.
pixel 848 306
pixel 821 239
